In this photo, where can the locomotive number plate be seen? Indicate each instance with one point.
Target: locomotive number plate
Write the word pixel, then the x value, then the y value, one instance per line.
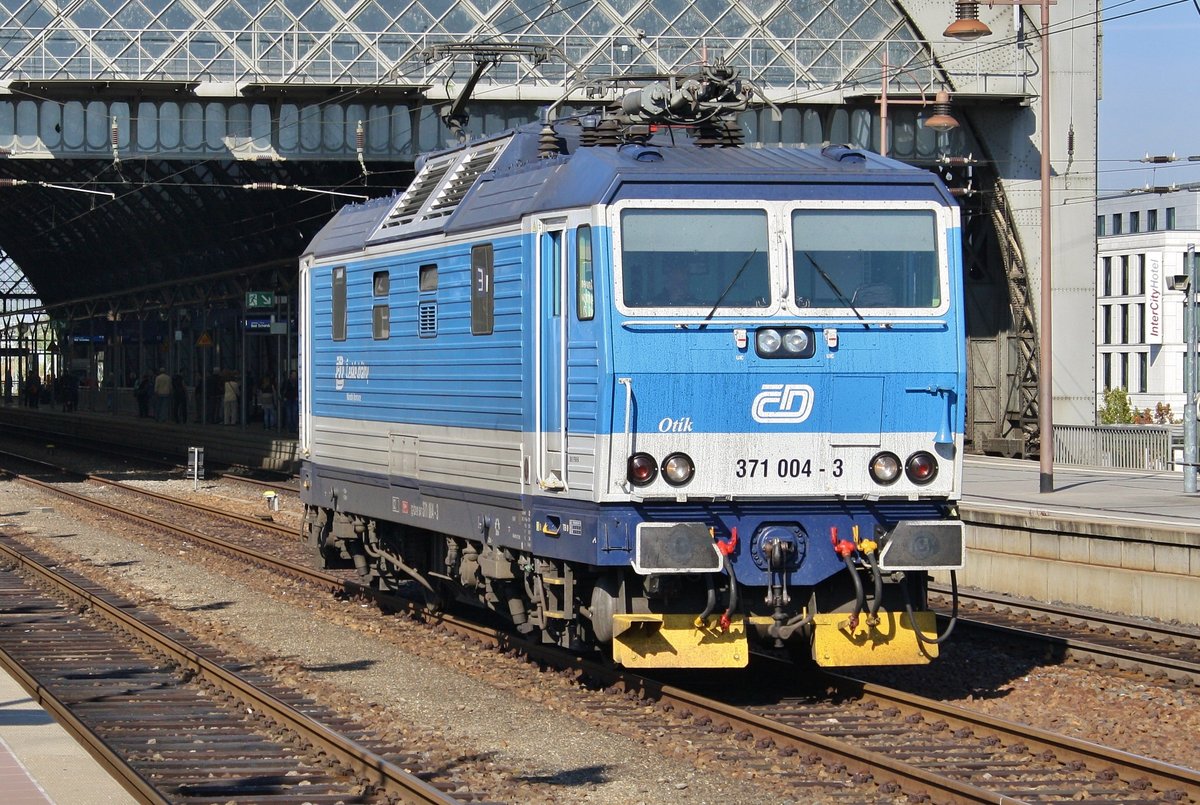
pixel 784 468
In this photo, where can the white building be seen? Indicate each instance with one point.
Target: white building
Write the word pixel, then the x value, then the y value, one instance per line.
pixel 1142 243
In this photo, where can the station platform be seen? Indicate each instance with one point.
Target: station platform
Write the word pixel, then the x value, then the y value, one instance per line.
pixel 244 445
pixel 1142 497
pixel 40 762
pixel 1123 541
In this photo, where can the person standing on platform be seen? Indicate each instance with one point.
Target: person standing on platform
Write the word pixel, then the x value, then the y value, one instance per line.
pixel 216 396
pixel 141 392
pixel 178 399
pixel 70 392
pixel 231 401
pixel 267 400
pixel 162 395
pixel 33 390
pixel 290 418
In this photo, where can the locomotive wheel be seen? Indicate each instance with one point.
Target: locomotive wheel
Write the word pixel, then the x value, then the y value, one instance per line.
pixel 435 601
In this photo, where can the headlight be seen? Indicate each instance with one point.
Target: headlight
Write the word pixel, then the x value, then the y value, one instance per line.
pixel 767 341
pixel 921 468
pixel 642 469
pixel 678 469
pixel 796 341
pixel 885 468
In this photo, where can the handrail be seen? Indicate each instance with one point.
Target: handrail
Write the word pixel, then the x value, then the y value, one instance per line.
pixel 627 382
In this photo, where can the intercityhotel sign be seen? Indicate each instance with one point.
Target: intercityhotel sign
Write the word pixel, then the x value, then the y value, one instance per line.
pixel 1154 296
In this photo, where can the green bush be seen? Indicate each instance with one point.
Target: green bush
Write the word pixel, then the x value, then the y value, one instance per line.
pixel 1116 409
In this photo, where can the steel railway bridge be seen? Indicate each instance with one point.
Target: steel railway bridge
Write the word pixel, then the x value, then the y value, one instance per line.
pixel 160 160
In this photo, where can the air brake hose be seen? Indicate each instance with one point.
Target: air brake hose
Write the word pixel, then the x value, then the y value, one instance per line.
pixel 845 549
pixel 710 604
pixel 929 641
pixel 867 549
pixel 725 548
pixel 860 595
pixel 873 616
pixel 733 593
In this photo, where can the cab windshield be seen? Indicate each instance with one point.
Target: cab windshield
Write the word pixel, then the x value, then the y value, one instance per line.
pixel 861 259
pixel 699 259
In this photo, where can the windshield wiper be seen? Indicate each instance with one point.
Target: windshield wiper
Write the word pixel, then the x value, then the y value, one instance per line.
pixel 729 287
pixel 841 296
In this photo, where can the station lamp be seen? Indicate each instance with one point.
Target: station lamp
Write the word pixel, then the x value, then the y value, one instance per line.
pixel 967 26
pixel 941 119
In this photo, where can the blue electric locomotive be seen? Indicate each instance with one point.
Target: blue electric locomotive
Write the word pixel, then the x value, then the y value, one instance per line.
pixel 635 387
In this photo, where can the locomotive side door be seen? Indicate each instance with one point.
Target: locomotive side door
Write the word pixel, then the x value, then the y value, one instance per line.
pixel 550 395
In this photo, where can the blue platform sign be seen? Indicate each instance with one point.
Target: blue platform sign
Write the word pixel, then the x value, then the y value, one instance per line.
pixel 258 324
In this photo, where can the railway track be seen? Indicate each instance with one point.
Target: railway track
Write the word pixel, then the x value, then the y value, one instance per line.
pixel 176 721
pixel 852 737
pixel 1160 651
pixel 129 454
pixel 1110 641
pixel 226 530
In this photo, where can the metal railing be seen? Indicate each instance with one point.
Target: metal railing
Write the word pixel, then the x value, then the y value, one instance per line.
pixel 1142 447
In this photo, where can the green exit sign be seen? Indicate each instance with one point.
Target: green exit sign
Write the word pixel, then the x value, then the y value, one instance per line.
pixel 260 299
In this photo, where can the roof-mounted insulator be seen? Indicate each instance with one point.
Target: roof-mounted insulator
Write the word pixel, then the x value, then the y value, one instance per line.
pixel 608 133
pixel 360 143
pixel 589 130
pixel 720 133
pixel 548 143
pixel 114 133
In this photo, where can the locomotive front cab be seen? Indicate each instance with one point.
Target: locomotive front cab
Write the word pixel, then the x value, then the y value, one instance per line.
pixel 787 425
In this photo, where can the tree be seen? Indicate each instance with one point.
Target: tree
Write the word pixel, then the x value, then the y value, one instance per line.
pixel 1116 409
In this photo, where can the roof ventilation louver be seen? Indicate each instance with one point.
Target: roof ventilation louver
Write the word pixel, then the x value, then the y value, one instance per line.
pixel 460 180
pixel 440 186
pixel 422 187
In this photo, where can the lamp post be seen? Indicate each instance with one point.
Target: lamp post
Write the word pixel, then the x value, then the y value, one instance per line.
pixel 941 120
pixel 1189 371
pixel 968 28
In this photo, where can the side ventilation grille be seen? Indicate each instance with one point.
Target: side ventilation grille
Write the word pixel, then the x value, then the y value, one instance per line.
pixel 427 320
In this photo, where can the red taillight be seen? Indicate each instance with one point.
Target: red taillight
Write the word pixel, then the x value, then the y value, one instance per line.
pixel 921 468
pixel 642 469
